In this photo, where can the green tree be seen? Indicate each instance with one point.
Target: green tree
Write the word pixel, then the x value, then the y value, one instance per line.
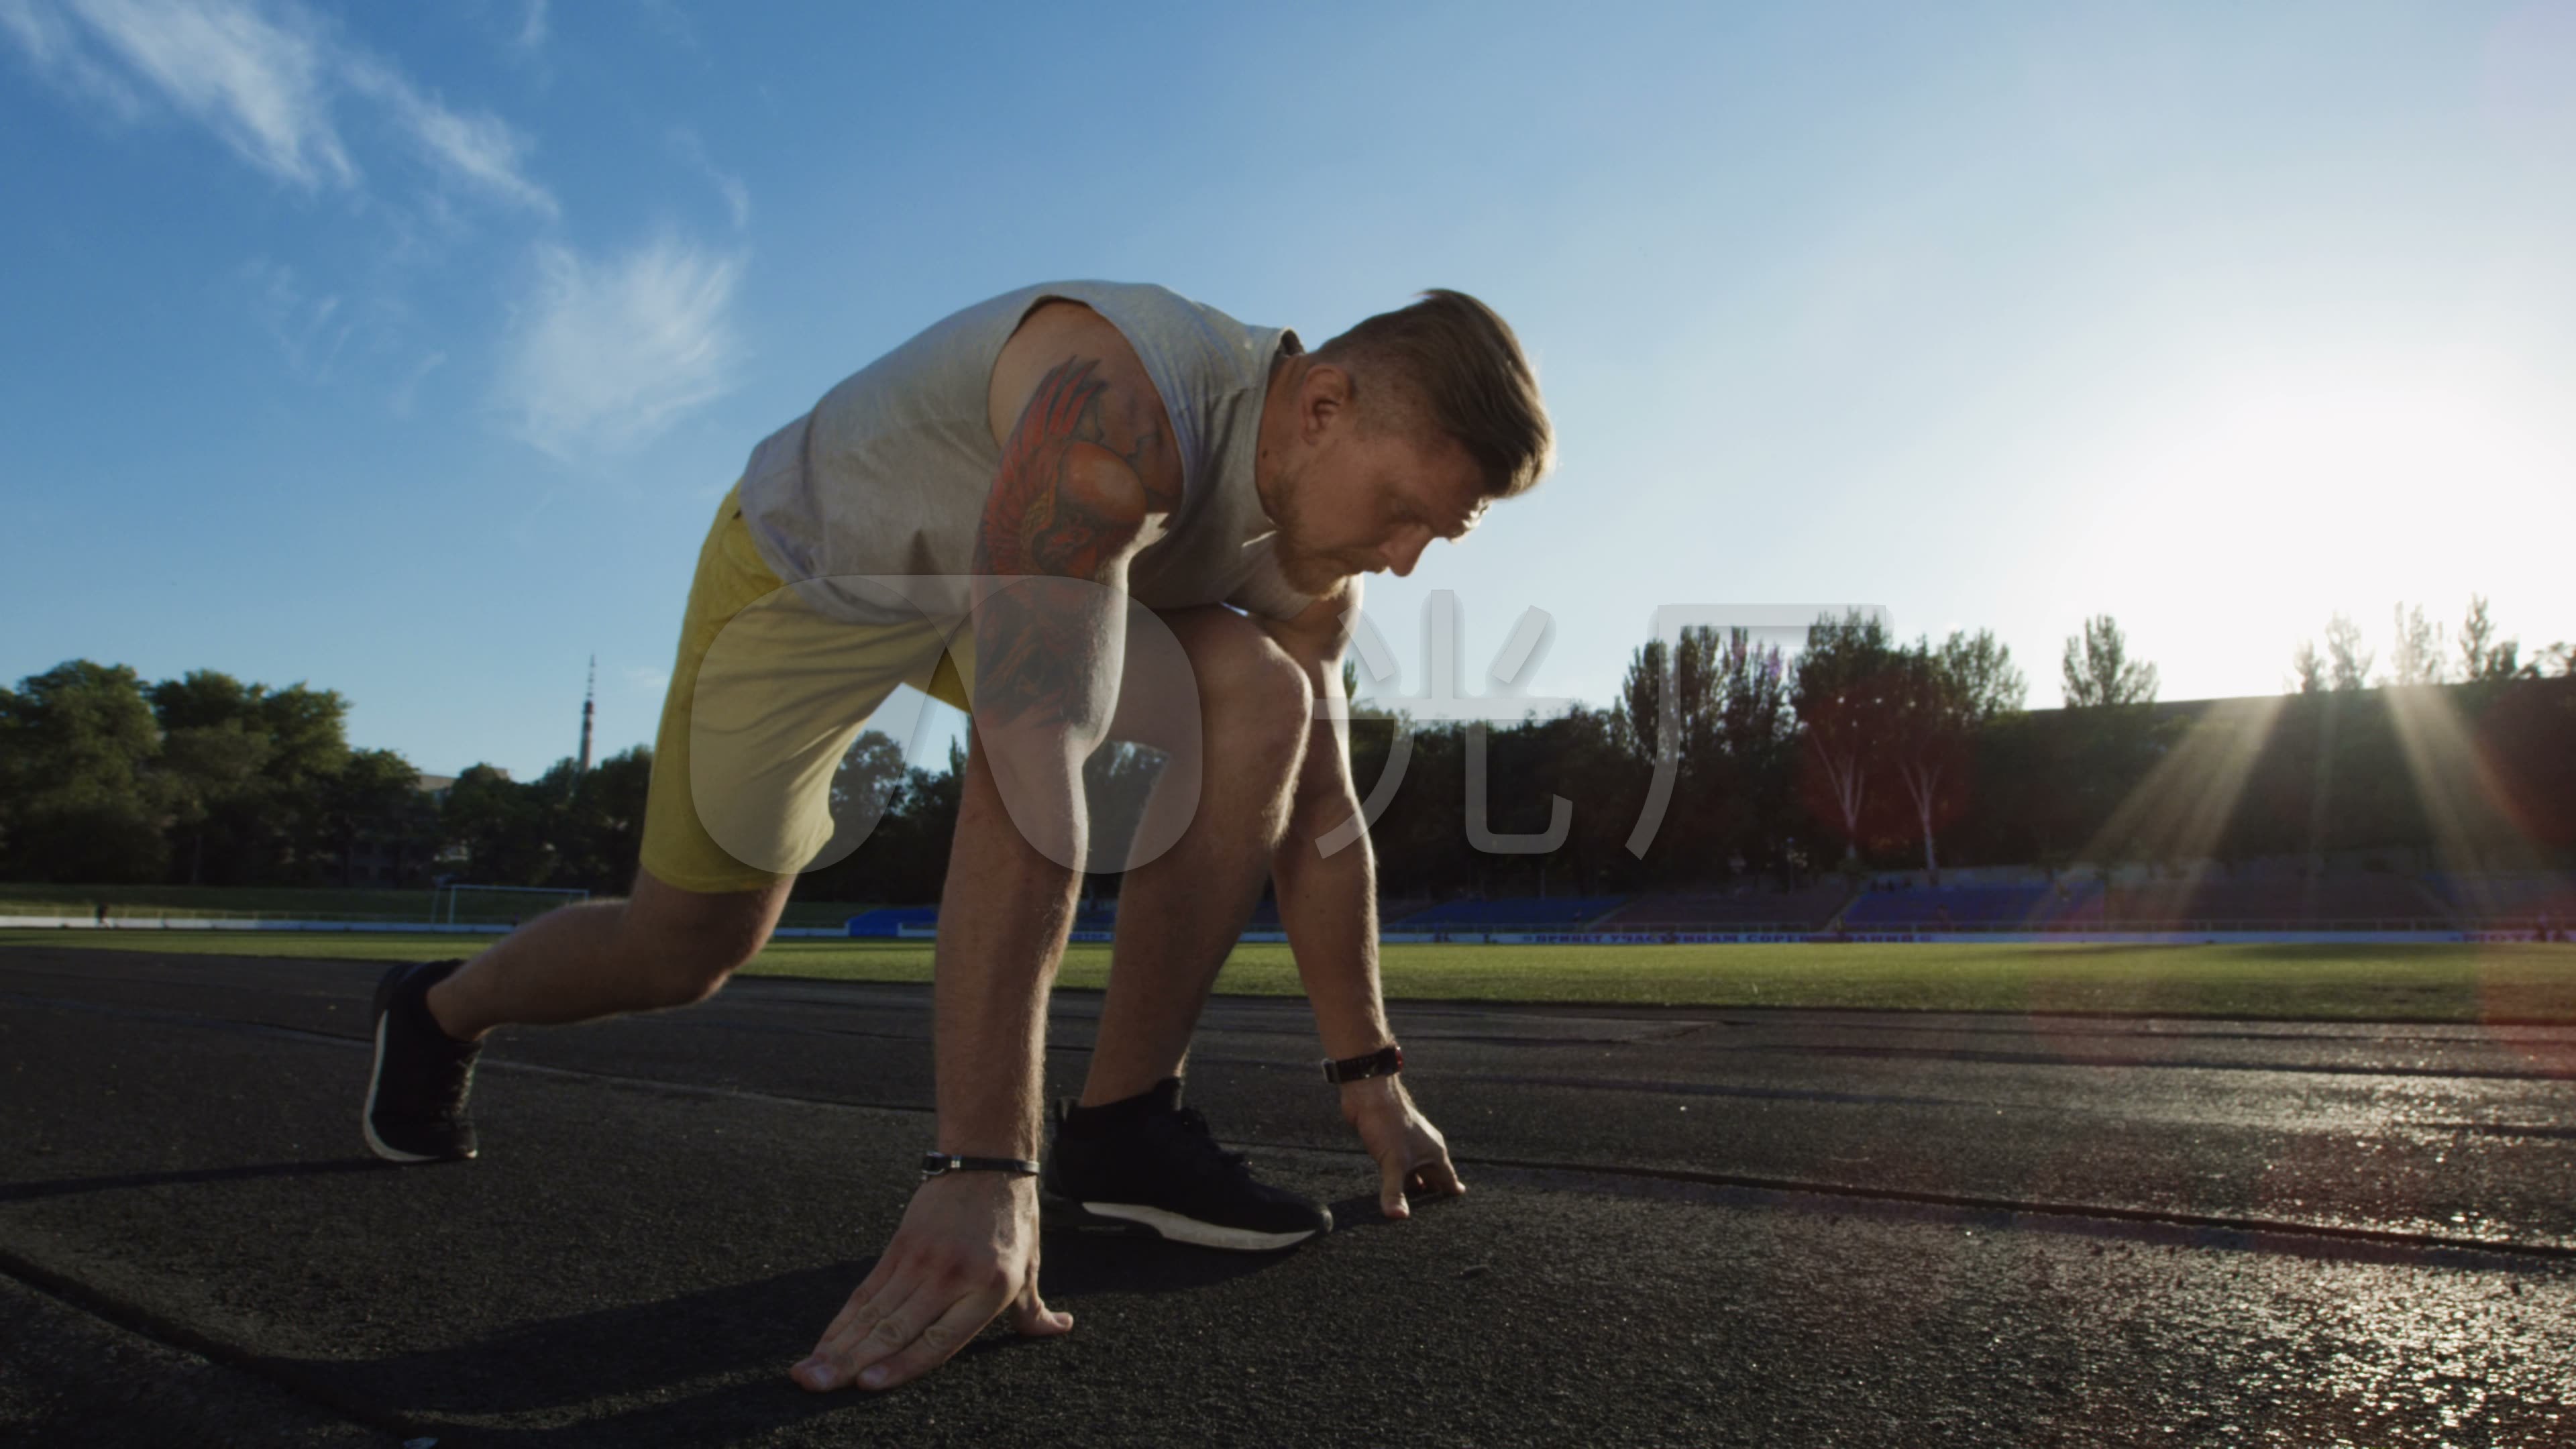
pixel 1677 685
pixel 1843 698
pixel 2347 661
pixel 614 794
pixel 210 773
pixel 2416 657
pixel 375 798
pixel 270 825
pixel 2098 670
pixel 1939 698
pixel 868 781
pixel 1757 735
pixel 2485 658
pixel 77 799
pixel 2107 736
pixel 500 827
pixel 2308 668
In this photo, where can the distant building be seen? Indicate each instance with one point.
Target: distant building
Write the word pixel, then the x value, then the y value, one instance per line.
pixel 437 786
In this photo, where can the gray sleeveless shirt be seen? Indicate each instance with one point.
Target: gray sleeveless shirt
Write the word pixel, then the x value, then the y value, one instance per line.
pixel 888 474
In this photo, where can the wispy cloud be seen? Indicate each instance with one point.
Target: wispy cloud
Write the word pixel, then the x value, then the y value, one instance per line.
pixel 49 39
pixel 262 85
pixel 534 27
pixel 737 197
pixel 310 330
pixel 264 78
pixel 647 681
pixel 606 353
pixel 409 392
pixel 478 150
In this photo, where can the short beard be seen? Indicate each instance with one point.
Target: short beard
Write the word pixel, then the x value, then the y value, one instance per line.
pixel 1309 573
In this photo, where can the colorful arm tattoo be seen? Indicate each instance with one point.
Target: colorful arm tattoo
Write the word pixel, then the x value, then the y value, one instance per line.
pixel 1065 506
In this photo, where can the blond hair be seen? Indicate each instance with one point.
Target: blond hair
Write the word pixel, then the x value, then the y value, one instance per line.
pixel 1451 361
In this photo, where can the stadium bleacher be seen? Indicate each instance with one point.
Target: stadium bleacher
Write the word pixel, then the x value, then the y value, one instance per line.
pixel 1510 913
pixel 2372 900
pixel 2508 898
pixel 1101 914
pixel 2037 906
pixel 890 920
pixel 1753 908
pixel 2369 901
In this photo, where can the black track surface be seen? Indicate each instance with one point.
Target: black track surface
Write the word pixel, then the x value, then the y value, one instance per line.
pixel 1686 1227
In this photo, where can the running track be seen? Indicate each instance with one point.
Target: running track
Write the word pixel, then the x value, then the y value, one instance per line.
pixel 1685 1227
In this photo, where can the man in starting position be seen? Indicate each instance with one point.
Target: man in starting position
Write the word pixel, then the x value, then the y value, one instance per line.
pixel 1083 512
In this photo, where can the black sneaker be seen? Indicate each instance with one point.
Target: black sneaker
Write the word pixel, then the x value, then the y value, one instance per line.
pixel 416 1092
pixel 1150 1161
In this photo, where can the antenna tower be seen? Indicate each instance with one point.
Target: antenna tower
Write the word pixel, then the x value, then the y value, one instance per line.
pixel 589 707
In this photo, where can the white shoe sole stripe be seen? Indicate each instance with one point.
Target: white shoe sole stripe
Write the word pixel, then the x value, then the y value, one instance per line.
pixel 367 1118
pixel 1190 1230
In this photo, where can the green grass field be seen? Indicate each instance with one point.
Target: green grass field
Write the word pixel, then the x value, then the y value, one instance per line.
pixel 2522 983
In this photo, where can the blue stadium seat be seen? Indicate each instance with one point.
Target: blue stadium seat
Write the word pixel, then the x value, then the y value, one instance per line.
pixel 890 920
pixel 1533 913
pixel 1975 907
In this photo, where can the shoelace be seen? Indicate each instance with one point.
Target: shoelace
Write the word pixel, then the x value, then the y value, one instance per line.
pixel 1209 1157
pixel 455 1078
pixel 444 1086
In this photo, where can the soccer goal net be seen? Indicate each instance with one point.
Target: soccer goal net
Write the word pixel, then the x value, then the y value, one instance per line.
pixel 459 905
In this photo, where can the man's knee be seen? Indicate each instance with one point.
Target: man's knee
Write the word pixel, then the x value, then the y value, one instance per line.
pixel 684 974
pixel 1259 698
pixel 678 968
pixel 683 946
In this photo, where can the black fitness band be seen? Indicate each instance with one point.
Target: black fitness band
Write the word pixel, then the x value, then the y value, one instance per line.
pixel 935 1164
pixel 1384 1062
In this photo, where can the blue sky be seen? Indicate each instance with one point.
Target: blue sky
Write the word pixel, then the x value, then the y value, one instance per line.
pixel 405 350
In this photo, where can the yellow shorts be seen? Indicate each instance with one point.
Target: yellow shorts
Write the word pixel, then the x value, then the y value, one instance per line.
pixel 765 698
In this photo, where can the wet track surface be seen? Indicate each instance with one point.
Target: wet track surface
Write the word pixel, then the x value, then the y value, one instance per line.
pixel 1685 1227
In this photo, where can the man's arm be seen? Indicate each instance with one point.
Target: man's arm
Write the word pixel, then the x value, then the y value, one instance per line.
pixel 1328 903
pixel 1082 469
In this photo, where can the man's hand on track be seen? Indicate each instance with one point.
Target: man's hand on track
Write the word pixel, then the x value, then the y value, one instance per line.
pixel 966 1252
pixel 1412 1156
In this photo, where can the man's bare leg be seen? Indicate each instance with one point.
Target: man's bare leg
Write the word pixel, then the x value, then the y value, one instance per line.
pixel 1180 915
pixel 663 946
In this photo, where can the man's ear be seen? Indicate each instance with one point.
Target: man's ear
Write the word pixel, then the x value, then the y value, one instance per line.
pixel 1323 398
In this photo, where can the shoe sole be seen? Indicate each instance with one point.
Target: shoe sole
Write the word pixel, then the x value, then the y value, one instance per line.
pixel 1181 1229
pixel 376 1074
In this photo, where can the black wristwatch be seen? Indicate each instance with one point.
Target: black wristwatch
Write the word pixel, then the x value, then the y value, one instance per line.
pixel 1384 1062
pixel 937 1164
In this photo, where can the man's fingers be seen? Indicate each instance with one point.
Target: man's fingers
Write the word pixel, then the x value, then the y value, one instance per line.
pixel 820 1369
pixel 931 1347
pixel 1390 1189
pixel 1031 1317
pixel 1437 1176
pixel 886 1324
pixel 862 1300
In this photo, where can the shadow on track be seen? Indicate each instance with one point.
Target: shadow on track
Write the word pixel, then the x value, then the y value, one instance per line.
pixel 711 1365
pixel 74 1186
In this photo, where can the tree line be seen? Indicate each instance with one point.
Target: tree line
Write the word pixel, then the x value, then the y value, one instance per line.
pixel 210 780
pixel 1858 752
